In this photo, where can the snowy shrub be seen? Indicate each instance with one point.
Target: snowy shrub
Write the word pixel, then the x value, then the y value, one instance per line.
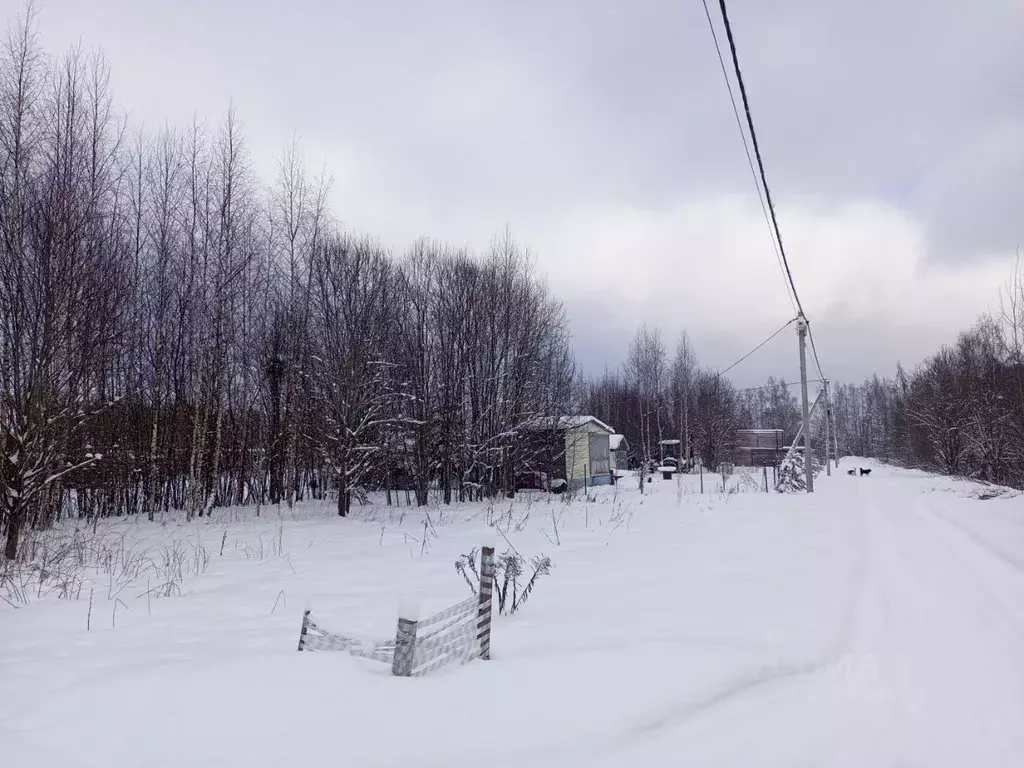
pixel 791 478
pixel 465 565
pixel 510 569
pixel 14 583
pixel 67 562
pixel 746 482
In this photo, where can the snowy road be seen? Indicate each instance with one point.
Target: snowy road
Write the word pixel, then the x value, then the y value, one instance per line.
pixel 932 673
pixel 878 623
pixel 927 668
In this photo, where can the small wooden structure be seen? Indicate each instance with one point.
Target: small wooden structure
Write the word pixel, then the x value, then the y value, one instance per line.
pixel 618 452
pixel 758 447
pixel 576 449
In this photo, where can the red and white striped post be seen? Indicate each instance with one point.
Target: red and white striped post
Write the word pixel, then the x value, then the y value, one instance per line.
pixel 483 616
pixel 405 639
pixel 305 626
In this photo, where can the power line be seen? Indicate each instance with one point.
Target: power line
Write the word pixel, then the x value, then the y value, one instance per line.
pixel 814 350
pixel 779 384
pixel 760 165
pixel 757 154
pixel 780 330
pixel 746 149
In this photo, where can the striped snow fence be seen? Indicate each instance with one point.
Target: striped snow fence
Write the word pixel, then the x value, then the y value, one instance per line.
pixel 457 634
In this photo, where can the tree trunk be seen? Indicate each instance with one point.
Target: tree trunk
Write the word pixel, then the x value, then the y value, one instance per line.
pixel 197 459
pixel 13 461
pixel 15 521
pixel 275 371
pixel 215 460
pixel 422 472
pixel 343 497
pixel 686 427
pixel 292 474
pixel 153 463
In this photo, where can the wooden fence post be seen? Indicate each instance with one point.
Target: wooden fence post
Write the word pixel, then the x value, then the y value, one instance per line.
pixel 483 615
pixel 405 640
pixel 305 626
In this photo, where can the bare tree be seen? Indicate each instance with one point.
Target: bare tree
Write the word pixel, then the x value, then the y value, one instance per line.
pixel 353 292
pixel 175 336
pixel 715 417
pixel 681 375
pixel 62 265
pixel 646 371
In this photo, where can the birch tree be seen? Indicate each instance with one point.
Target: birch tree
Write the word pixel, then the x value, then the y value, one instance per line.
pixel 353 292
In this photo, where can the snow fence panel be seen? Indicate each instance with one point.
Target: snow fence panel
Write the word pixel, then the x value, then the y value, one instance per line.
pixel 457 634
pixel 313 637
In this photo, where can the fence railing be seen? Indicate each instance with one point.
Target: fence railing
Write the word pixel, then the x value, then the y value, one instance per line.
pixel 457 634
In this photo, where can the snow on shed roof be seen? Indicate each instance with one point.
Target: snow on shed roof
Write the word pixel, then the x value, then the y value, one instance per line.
pixel 616 441
pixel 566 422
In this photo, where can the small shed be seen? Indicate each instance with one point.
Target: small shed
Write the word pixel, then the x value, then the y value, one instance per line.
pixel 758 447
pixel 618 450
pixel 574 448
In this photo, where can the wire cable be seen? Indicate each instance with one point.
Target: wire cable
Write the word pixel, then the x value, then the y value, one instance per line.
pixel 746 149
pixel 779 384
pixel 757 154
pixel 764 177
pixel 780 330
pixel 814 350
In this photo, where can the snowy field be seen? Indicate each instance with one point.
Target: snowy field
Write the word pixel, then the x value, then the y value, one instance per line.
pixel 878 623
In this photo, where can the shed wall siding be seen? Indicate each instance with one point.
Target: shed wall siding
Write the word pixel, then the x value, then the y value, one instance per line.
pixel 577 451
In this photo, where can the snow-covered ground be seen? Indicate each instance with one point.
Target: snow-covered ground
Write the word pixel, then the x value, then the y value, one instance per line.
pixel 878 623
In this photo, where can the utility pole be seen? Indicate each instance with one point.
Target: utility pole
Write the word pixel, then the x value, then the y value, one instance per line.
pixel 801 330
pixel 828 418
pixel 835 437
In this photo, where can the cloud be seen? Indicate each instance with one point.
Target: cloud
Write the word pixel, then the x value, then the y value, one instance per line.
pixel 862 271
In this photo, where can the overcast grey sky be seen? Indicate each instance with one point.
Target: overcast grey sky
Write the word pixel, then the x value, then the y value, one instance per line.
pixel 600 131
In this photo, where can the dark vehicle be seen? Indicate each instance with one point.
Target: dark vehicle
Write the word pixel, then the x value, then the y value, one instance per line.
pixel 539 481
pixel 532 481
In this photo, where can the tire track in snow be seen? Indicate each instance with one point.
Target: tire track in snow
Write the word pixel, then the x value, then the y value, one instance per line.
pixel 766 678
pixel 772 674
pixel 896 684
pixel 969 548
pixel 675 716
pixel 881 718
pixel 12 739
pixel 952 647
pixel 980 542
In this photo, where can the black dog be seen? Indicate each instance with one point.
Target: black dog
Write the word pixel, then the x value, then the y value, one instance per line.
pixel 851 471
pixel 865 472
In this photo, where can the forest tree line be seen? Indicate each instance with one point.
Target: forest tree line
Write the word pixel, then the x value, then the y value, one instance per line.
pixel 176 334
pixel 960 412
pixel 654 397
